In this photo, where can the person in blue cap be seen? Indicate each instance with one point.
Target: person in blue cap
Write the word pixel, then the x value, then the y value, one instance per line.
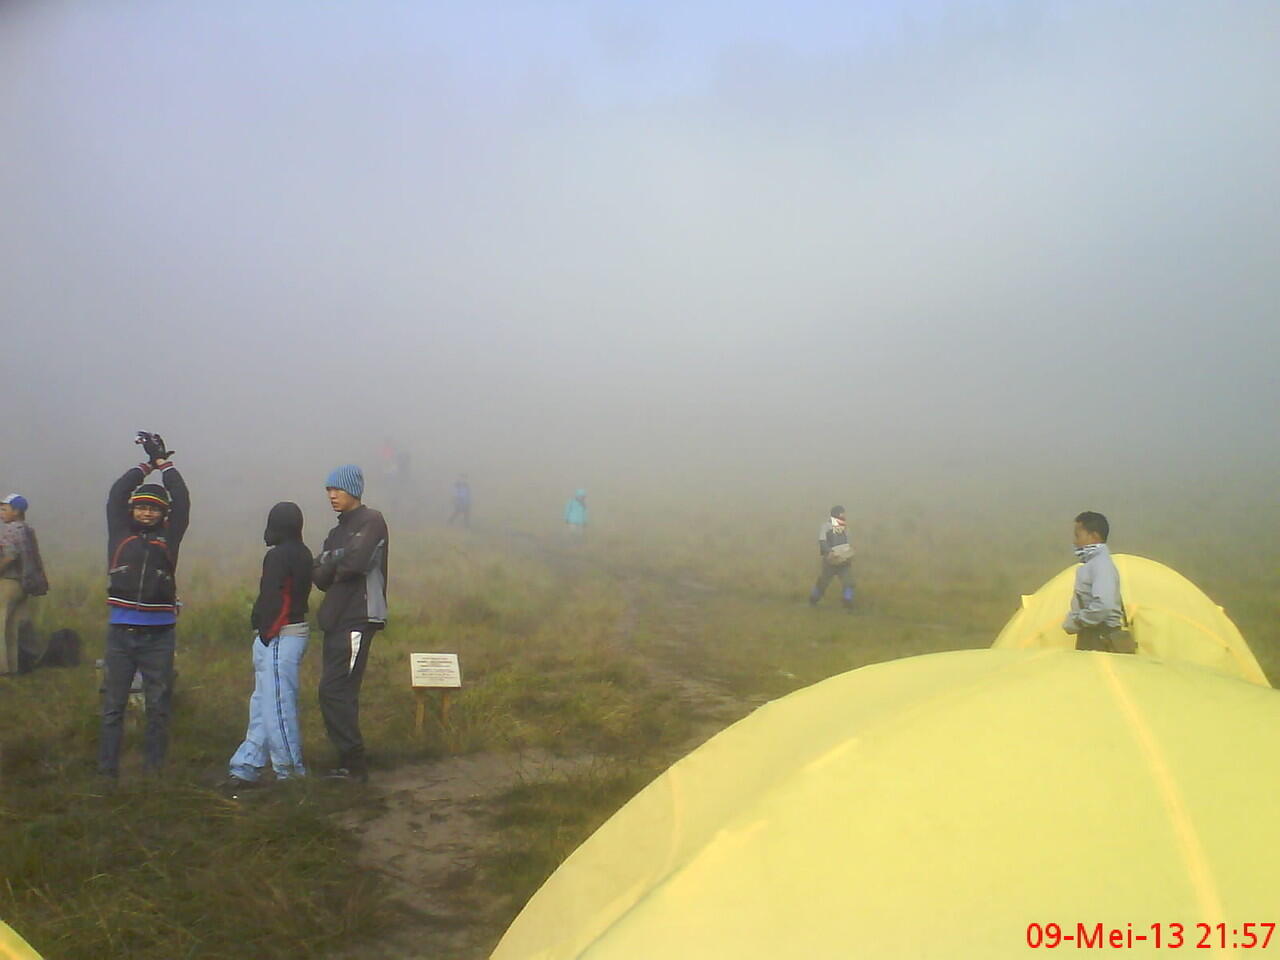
pixel 351 569
pixel 21 578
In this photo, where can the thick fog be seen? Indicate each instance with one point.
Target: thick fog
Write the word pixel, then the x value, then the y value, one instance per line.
pixel 647 248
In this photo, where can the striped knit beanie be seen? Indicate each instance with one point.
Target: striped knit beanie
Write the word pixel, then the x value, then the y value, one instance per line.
pixel 151 494
pixel 348 478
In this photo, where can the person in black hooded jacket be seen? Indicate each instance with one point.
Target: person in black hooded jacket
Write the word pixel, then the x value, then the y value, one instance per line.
pixel 279 620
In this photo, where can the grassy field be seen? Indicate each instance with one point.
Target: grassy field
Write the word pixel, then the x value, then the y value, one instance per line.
pixel 585 650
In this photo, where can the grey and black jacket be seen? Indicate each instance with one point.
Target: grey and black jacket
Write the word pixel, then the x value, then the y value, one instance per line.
pixel 829 535
pixel 352 571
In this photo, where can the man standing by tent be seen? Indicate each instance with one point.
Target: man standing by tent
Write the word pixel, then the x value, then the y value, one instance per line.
pixel 21 577
pixel 145 526
pixel 352 571
pixel 837 558
pixel 1096 617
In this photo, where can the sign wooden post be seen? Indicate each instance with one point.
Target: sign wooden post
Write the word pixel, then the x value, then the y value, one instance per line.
pixel 433 671
pixel 420 714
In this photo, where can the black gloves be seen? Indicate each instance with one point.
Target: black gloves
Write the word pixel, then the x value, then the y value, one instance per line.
pixel 154 445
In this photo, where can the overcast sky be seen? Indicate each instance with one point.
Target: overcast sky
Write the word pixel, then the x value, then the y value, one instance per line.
pixel 580 241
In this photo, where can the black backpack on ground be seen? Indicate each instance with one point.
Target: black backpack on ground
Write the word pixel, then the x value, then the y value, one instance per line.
pixel 63 649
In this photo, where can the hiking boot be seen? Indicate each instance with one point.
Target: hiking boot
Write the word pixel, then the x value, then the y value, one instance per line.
pixel 347 774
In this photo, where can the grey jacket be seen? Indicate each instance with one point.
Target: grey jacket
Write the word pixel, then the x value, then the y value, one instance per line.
pixel 352 571
pixel 1096 600
pixel 829 535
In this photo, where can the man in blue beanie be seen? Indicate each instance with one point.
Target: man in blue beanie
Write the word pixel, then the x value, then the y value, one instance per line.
pixel 352 571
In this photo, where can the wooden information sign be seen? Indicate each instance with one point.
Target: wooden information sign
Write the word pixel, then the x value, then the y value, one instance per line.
pixel 433 671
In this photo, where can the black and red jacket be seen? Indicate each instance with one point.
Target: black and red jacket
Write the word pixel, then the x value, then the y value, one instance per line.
pixel 142 561
pixel 285 587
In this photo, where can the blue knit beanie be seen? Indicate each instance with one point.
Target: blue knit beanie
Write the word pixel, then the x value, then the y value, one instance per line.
pixel 348 478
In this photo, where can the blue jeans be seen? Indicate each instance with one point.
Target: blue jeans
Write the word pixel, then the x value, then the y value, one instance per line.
pixel 149 651
pixel 273 733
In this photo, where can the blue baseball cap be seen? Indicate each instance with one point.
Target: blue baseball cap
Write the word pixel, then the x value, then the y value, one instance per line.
pixel 17 501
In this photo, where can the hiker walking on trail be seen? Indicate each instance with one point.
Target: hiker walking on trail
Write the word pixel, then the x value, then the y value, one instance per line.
pixel 461 502
pixel 837 559
pixel 1096 617
pixel 352 570
pixel 21 578
pixel 145 526
pixel 575 512
pixel 279 620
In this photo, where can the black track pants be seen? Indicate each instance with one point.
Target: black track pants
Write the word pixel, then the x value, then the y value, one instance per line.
pixel 346 651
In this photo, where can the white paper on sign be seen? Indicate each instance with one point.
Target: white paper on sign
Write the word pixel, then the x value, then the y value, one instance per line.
pixel 435 670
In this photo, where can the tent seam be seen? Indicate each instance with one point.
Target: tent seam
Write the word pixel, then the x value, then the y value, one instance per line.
pixel 1181 823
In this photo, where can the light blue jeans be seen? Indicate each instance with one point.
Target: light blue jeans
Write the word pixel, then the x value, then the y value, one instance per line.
pixel 273 733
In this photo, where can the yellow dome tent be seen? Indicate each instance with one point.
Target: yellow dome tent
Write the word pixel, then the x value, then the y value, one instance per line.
pixel 13 947
pixel 938 806
pixel 1170 619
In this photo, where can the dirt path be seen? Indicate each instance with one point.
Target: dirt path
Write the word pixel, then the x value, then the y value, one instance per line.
pixel 427 826
pixel 424 830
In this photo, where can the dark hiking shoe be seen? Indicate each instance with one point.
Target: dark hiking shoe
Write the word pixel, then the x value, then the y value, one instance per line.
pixel 348 775
pixel 233 785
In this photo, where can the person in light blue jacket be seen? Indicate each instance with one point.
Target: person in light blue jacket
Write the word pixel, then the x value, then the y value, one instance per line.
pixel 1096 617
pixel 575 512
